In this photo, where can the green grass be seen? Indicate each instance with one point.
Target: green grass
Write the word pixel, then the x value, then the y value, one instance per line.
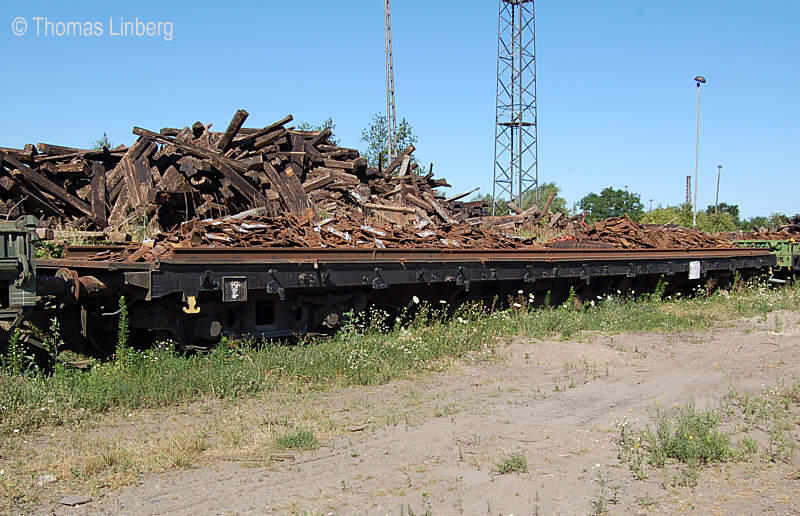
pixel 688 439
pixel 771 411
pixel 360 354
pixel 300 439
pixel 513 463
pixel 682 436
pixel 688 436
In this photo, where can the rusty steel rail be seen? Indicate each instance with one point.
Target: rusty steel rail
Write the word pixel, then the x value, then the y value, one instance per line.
pixel 78 256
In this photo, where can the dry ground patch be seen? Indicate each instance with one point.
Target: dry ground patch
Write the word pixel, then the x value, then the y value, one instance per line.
pixel 441 442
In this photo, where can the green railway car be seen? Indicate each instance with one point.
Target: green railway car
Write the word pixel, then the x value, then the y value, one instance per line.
pixel 787 252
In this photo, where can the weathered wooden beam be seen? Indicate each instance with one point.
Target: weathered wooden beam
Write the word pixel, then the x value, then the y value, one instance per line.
pixel 317 183
pixel 26 154
pixel 47 185
pixel 261 132
pixel 25 193
pixel 226 166
pixel 419 202
pixel 237 181
pixel 462 195
pixel 332 163
pixel 233 127
pixel 549 201
pixel 192 149
pixel 324 134
pixel 77 167
pixel 265 140
pixel 102 154
pixel 389 207
pixel 404 166
pixel 278 184
pixel 437 207
pixel 398 160
pixel 98 194
pixel 55 150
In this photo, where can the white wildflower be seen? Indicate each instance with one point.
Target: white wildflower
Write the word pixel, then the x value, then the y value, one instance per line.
pixel 415 299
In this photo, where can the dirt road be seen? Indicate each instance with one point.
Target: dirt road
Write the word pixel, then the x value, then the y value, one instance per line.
pixel 431 444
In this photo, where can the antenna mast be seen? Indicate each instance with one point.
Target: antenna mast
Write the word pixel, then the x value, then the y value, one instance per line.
pixel 516 164
pixel 391 119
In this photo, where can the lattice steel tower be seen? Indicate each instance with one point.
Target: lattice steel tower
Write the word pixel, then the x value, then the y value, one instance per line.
pixel 516 165
pixel 391 119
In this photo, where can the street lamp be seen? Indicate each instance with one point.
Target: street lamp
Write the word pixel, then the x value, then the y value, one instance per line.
pixel 699 80
pixel 716 202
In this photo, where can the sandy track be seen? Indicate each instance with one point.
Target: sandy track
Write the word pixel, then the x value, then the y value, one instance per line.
pixel 446 431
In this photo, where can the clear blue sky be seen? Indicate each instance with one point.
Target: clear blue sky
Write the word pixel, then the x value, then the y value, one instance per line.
pixel 616 97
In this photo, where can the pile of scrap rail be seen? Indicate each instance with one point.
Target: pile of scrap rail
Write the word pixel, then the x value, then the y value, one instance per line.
pixel 624 233
pixel 177 175
pixel 346 231
pixel 535 219
pixel 783 232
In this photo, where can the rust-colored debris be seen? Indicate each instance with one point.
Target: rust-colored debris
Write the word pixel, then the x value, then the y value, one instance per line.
pixel 624 233
pixel 276 186
pixel 346 231
pixel 783 232
pixel 177 175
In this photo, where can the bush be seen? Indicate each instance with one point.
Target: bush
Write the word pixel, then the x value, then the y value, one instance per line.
pixel 688 436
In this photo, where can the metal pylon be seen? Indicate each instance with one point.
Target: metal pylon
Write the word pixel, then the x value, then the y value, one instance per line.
pixel 391 119
pixel 516 164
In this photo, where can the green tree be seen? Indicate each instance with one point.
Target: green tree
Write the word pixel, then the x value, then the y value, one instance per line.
pixel 683 216
pixel 771 222
pixel 730 209
pixel 612 203
pixel 502 204
pixel 559 204
pixel 678 215
pixel 327 124
pixel 713 222
pixel 102 142
pixel 374 136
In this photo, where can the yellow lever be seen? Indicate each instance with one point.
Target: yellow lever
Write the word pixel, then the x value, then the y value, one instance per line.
pixel 192 308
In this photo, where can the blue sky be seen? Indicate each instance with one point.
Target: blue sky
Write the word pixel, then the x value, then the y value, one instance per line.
pixel 616 97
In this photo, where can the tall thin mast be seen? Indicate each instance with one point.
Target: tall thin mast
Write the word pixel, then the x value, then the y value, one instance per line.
pixel 391 119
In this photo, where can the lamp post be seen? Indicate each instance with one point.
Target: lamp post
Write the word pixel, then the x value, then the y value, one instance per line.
pixel 699 80
pixel 716 201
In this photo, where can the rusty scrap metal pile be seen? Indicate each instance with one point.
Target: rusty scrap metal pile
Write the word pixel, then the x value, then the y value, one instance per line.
pixel 289 231
pixel 791 229
pixel 276 186
pixel 542 220
pixel 177 175
pixel 624 233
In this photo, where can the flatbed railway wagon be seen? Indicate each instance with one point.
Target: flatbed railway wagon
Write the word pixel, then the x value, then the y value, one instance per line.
pixel 196 295
pixel 786 251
